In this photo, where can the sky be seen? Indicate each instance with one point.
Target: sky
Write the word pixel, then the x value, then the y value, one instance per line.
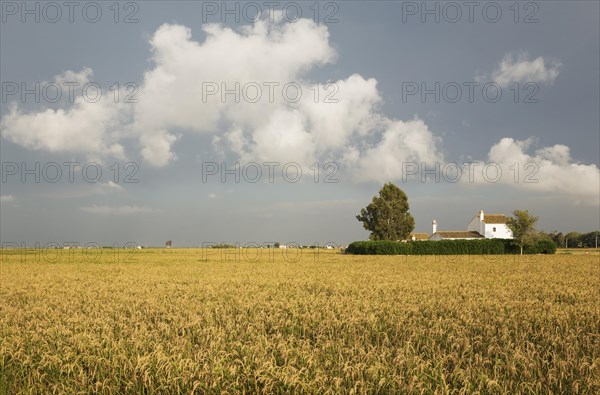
pixel 255 122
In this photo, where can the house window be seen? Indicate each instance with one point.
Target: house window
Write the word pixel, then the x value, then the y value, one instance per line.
pixel 493 229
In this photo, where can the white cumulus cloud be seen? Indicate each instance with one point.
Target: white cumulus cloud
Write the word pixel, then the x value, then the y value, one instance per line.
pixel 520 68
pixel 90 127
pixel 400 143
pixel 276 114
pixel 547 169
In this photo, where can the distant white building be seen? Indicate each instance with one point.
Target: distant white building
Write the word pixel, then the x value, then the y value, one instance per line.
pixel 482 226
pixel 491 226
pixel 419 236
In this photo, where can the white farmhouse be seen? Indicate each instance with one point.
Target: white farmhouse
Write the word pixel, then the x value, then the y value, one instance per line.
pixel 491 226
pixel 488 226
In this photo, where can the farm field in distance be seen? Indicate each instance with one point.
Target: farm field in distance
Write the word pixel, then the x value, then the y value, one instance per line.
pixel 169 321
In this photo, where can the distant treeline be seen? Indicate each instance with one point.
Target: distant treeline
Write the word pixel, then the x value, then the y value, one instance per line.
pixel 572 239
pixel 276 245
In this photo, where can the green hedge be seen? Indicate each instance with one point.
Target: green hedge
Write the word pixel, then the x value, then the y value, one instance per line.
pixel 458 247
pixel 379 248
pixel 539 247
pixel 448 247
pixel 543 247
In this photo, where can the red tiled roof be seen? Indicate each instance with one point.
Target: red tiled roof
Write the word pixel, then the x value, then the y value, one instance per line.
pixel 420 236
pixel 459 234
pixel 495 218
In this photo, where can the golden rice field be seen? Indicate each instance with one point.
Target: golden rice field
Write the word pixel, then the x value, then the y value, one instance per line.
pixel 169 321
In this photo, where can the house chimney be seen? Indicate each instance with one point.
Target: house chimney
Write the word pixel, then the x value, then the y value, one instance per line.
pixel 434 226
pixel 481 215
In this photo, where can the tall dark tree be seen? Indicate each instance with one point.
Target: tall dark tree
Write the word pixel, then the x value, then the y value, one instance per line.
pixel 387 217
pixel 588 240
pixel 558 238
pixel 573 239
pixel 522 226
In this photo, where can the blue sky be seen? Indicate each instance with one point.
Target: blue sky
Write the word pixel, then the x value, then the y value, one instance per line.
pixel 498 102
